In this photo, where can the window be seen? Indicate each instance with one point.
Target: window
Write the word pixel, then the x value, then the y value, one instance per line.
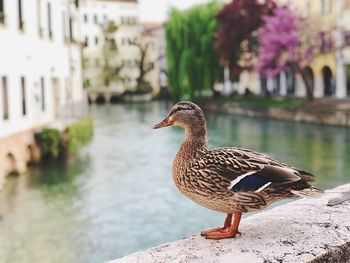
pixel 49 21
pixel 326 6
pixel 86 18
pixel 86 41
pixel 322 7
pixel 5 104
pixel 96 40
pixel 71 36
pixel 85 63
pixel 95 19
pixel 105 18
pixel 40 30
pixel 64 26
pixel 308 8
pixel 2 14
pixel 330 6
pixel 23 92
pixel 42 86
pixel 86 83
pixel 20 16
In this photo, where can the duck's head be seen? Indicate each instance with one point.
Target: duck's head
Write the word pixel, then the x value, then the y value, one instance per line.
pixel 186 115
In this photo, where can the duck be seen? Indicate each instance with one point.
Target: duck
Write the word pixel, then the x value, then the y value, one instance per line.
pixel 229 180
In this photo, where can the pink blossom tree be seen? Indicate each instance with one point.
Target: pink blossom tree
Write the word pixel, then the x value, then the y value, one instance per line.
pixel 287 41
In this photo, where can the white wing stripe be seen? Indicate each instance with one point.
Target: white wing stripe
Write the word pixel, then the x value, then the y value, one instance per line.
pixel 263 187
pixel 239 178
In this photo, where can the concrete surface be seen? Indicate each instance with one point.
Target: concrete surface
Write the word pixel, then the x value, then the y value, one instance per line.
pixel 306 230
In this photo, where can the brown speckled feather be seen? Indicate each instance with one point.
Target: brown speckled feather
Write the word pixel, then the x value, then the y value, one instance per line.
pixel 229 179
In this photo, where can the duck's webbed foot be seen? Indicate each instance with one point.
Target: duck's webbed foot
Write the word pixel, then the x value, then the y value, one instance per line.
pixel 229 230
pixel 225 227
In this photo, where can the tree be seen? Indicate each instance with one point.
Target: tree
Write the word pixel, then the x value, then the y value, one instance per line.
pixel 192 62
pixel 288 42
pixel 144 66
pixel 237 23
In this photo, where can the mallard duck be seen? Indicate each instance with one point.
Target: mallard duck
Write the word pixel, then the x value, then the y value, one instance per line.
pixel 230 180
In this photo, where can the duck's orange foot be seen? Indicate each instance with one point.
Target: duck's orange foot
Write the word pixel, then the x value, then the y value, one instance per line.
pixel 227 225
pixel 213 230
pixel 222 234
pixel 229 230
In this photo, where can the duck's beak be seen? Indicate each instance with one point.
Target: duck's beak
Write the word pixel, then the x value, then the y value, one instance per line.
pixel 164 123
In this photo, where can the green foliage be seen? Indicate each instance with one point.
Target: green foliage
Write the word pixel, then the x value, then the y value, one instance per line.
pixel 108 64
pixel 79 134
pixel 111 66
pixel 192 62
pixel 143 88
pixel 86 83
pixel 110 28
pixel 50 142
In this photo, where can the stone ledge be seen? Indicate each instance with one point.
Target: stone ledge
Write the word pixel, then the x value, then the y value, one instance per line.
pixel 336 118
pixel 306 230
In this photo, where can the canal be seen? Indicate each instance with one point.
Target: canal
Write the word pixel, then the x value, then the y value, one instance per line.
pixel 117 195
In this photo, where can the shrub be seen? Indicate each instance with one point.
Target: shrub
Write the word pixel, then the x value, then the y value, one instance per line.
pixel 143 88
pixel 53 142
pixel 50 142
pixel 79 134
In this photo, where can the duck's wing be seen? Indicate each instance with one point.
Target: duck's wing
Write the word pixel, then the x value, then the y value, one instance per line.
pixel 242 170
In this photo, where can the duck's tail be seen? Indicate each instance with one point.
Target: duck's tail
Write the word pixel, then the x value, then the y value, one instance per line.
pixel 308 193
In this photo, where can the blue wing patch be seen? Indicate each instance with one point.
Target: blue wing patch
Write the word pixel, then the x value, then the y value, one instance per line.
pixel 249 183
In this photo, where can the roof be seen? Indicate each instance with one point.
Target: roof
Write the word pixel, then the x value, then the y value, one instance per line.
pixel 149 26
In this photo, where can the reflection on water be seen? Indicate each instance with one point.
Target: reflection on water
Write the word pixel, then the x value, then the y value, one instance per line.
pixel 117 196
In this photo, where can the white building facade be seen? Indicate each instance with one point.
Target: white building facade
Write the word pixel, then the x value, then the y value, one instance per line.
pixel 40 71
pixel 40 62
pixel 95 15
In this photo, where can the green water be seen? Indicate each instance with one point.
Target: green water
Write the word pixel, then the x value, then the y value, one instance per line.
pixel 118 197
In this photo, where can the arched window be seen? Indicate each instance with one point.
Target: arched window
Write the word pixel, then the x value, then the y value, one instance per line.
pixel 328 82
pixel 290 79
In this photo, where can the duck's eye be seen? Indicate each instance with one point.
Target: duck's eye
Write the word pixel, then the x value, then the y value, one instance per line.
pixel 178 109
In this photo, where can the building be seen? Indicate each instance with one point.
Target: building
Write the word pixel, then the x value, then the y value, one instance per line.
pixel 110 26
pixel 154 37
pixel 329 71
pixel 40 73
pixel 321 14
pixel 343 49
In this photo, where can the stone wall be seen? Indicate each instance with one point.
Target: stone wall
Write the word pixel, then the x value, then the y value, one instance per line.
pixel 15 152
pixel 339 118
pixel 306 230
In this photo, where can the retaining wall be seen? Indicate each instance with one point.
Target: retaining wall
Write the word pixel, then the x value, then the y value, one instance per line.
pixel 306 230
pixel 339 118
